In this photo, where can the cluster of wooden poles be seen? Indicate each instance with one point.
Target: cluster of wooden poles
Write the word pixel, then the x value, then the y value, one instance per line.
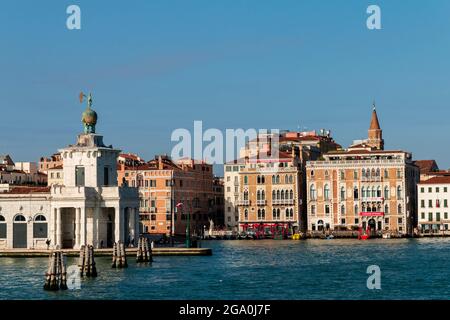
pixel 119 259
pixel 144 251
pixel 56 275
pixel 86 262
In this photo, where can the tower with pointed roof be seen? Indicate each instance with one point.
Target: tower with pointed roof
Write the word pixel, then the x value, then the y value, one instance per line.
pixel 375 137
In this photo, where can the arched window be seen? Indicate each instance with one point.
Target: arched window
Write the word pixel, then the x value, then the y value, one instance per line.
pixel 274 214
pixel 278 179
pixel 287 213
pixel 326 192
pixel 373 173
pixel 386 192
pixel 245 195
pixel 40 227
pixel 2 218
pixel 273 180
pixel 374 192
pixel 399 209
pixel 258 195
pixel 356 209
pixel 20 218
pixel 379 208
pixel 386 173
pixel 263 195
pixel 378 172
pixel 363 192
pixel 286 179
pixel 379 192
pixel 363 172
pixel 386 209
pixel 399 192
pixel 355 193
pixel 278 213
pixel 246 214
pixel 259 214
pixel 291 214
pixel 263 214
pixel 363 208
pixel 313 210
pixel 282 194
pixel 342 210
pixel 342 175
pixel 245 180
pixel 274 195
pixel 263 179
pixel 258 179
pixel 312 192
pixel 40 218
pixel 342 193
pixel 291 195
pixel 291 179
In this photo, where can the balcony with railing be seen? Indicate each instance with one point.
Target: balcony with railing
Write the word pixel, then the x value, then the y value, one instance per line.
pixel 261 202
pixel 281 202
pixel 243 202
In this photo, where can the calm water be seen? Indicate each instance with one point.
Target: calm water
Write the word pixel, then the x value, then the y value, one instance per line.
pixel 313 269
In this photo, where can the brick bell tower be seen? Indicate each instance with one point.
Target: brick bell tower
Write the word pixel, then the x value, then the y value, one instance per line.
pixel 375 133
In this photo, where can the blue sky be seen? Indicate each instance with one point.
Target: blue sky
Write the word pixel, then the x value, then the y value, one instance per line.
pixel 154 66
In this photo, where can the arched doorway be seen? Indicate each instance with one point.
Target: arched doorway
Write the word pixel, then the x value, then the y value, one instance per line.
pixel 320 225
pixel 40 227
pixel 372 226
pixel 19 231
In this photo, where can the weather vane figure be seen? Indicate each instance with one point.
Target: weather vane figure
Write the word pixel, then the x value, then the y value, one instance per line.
pixel 89 116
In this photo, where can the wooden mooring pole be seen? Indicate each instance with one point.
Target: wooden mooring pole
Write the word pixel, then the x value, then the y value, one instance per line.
pixel 56 275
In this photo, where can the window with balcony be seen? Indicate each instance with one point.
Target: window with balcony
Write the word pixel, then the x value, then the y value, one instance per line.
pixel 312 192
pixel 386 192
pixel 326 192
pixel 399 192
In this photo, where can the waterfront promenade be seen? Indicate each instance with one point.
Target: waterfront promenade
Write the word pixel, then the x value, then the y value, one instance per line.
pixel 169 251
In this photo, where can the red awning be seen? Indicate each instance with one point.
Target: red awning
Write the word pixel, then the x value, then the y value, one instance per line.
pixel 371 214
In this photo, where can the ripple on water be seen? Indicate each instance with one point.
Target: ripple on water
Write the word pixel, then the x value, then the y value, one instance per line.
pixel 312 269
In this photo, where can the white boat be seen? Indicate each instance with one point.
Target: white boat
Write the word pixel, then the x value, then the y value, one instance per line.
pixel 386 235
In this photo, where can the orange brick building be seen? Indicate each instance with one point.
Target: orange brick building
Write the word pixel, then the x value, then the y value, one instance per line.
pixel 163 184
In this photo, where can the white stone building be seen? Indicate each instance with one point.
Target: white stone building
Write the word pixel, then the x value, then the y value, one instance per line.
pixel 88 208
pixel 433 205
pixel 231 194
